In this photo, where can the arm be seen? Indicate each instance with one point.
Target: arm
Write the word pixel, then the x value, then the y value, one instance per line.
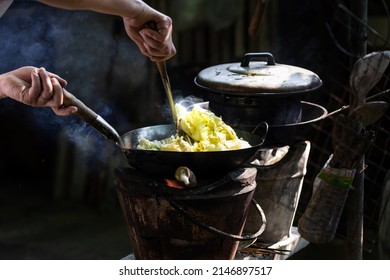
pixel 157 45
pixel 123 8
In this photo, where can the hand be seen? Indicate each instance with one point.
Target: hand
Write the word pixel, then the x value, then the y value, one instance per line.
pixel 157 45
pixel 35 87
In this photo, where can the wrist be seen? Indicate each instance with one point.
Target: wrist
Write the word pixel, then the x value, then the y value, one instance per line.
pixel 135 9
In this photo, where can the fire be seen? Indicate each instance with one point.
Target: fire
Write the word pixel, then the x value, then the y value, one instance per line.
pixel 174 184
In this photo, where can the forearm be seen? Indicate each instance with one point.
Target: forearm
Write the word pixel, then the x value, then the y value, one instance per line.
pixel 123 8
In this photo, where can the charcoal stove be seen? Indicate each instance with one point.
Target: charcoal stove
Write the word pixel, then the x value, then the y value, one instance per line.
pixel 167 221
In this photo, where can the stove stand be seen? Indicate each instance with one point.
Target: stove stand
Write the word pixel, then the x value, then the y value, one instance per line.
pixel 159 229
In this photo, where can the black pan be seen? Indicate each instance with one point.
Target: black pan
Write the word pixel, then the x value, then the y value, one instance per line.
pixel 164 163
pixel 203 164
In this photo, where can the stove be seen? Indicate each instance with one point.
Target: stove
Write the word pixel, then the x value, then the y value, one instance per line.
pixel 166 220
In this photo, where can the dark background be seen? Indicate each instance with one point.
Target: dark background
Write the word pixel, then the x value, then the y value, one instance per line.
pixel 57 190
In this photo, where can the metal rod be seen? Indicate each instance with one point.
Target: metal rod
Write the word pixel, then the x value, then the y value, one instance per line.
pixel 347 107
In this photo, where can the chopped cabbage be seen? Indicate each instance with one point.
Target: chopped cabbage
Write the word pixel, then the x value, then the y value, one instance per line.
pixel 207 132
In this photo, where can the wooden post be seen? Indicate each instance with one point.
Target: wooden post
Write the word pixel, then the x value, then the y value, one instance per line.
pixel 355 203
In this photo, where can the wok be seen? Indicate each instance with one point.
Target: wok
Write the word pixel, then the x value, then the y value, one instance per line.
pixel 165 163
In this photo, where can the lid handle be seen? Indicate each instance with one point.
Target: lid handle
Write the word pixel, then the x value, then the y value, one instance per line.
pixel 258 56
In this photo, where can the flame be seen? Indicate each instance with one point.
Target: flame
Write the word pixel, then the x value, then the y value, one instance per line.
pixel 173 184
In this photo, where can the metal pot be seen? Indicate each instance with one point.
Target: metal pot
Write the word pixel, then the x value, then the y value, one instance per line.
pixel 164 163
pixel 251 92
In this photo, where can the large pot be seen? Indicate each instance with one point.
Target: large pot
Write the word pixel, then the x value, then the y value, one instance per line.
pixel 257 90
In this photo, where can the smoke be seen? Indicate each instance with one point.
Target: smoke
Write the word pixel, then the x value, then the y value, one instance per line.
pixel 78 46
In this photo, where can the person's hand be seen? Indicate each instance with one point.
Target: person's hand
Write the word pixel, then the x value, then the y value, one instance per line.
pixel 35 87
pixel 156 44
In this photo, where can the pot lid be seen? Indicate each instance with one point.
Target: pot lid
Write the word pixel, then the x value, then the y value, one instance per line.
pixel 255 78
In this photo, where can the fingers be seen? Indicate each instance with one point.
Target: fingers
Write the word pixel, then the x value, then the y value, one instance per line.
pixel 58 100
pixel 62 81
pixel 46 84
pixel 58 96
pixel 41 90
pixel 47 91
pixel 157 44
pixel 35 89
pixel 56 103
pixel 64 111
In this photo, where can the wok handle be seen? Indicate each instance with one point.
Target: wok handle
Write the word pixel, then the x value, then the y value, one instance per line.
pixel 83 111
pixel 92 118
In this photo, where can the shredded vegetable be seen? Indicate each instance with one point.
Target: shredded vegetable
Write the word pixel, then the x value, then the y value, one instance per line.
pixel 207 132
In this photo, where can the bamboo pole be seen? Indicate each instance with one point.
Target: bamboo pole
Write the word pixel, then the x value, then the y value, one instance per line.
pixel 355 203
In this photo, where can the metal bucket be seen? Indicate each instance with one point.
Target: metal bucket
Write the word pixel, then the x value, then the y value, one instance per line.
pixel 279 190
pixel 202 223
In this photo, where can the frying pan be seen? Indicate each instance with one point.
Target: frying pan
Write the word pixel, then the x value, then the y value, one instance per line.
pixel 165 163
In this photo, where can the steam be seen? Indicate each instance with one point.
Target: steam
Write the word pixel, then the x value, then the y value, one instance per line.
pixel 82 53
pixel 189 101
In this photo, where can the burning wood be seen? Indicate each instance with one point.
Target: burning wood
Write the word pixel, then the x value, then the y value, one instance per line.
pixel 174 184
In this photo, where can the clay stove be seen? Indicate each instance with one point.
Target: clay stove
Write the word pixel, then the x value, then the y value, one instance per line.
pixel 166 221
